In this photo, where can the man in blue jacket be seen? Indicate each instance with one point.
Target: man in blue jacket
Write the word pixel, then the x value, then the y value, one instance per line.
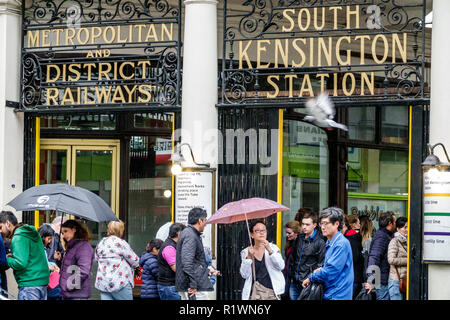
pixel 337 271
pixel 378 253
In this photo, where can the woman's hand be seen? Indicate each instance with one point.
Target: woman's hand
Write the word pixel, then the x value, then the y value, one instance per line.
pixel 267 246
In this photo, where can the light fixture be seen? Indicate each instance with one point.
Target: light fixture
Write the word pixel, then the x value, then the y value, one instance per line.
pixel 167 193
pixel 432 159
pixel 176 169
pixel 177 158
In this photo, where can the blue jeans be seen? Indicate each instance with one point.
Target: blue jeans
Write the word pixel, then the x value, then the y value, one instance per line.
pixel 126 293
pixel 32 293
pixel 394 292
pixel 382 293
pixel 168 293
pixel 294 291
pixel 54 294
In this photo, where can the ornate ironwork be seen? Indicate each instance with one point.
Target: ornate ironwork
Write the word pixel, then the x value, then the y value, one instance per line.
pixel 97 54
pixel 262 38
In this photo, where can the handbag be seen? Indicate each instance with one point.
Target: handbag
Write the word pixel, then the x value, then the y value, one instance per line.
pixel 401 282
pixel 260 292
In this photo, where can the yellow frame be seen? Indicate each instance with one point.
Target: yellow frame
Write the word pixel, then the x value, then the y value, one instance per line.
pixel 73 145
pixel 280 174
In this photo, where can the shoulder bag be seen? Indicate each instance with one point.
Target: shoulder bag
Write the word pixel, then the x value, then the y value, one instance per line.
pixel 260 292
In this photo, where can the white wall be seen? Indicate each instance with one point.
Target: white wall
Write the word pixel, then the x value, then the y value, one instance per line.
pixel 439 275
pixel 11 123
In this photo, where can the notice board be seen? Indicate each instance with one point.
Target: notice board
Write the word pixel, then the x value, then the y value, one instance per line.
pixel 195 187
pixel 436 219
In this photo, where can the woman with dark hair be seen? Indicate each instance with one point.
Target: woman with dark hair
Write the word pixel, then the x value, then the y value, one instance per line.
pixel 293 229
pixel 149 263
pixel 53 289
pixel 116 264
pixel 77 262
pixel 354 237
pixel 265 260
pixel 398 259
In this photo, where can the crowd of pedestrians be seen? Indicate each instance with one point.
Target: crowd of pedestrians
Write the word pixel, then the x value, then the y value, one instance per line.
pixel 55 262
pixel 346 255
pixel 337 253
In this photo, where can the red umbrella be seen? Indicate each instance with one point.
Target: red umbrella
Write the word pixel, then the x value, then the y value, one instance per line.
pixel 252 208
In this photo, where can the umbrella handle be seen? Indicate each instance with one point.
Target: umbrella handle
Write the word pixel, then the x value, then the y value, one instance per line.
pixel 248 229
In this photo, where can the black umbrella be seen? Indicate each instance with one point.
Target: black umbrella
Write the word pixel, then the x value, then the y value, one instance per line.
pixel 65 198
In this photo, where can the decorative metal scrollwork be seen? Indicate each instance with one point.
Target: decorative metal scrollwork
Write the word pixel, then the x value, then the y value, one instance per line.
pixel 283 51
pixel 101 53
pixel 42 12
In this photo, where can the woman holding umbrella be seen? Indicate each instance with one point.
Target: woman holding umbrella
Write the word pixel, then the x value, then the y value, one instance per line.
pixel 263 262
pixel 77 262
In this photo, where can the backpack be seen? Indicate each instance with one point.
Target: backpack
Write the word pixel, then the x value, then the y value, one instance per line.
pixel 312 292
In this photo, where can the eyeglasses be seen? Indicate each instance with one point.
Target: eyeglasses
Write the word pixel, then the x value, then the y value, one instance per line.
pixel 260 230
pixel 323 224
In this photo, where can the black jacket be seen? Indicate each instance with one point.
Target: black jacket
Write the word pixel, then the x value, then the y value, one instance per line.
pixel 192 271
pixel 378 254
pixel 358 260
pixel 309 252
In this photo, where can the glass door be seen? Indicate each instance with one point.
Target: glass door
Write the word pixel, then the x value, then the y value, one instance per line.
pixel 90 164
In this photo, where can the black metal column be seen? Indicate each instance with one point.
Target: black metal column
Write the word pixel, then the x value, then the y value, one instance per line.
pixel 418 286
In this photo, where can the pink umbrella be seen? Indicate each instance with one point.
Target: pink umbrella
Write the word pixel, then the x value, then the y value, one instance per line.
pixel 252 208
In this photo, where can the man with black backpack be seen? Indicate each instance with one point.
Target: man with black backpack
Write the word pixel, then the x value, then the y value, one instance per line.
pixel 308 253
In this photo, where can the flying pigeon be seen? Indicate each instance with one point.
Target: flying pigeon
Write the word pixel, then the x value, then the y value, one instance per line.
pixel 321 112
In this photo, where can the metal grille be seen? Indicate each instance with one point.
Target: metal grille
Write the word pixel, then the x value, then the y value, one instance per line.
pixel 277 29
pixel 239 181
pixel 29 157
pixel 92 54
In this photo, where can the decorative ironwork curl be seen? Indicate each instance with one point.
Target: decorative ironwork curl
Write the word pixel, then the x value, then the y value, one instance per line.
pixel 81 11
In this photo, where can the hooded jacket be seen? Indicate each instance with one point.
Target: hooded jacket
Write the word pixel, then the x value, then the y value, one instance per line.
pixel 398 256
pixel 149 263
pixel 29 261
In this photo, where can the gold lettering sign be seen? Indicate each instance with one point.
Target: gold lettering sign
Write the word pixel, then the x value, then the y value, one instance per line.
pixel 306 45
pixel 100 35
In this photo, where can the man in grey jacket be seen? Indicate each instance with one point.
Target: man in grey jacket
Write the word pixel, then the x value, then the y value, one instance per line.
pixel 192 274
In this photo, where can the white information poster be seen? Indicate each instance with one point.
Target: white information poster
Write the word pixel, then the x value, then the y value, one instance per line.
pixel 436 233
pixel 194 189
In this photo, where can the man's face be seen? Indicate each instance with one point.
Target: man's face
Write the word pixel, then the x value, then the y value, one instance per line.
pixel 308 226
pixel 6 229
pixel 328 228
pixel 201 224
pixel 391 225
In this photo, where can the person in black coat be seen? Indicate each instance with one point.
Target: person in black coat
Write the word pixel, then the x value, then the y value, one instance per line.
pixel 192 273
pixel 308 253
pixel 149 264
pixel 354 237
pixel 378 254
